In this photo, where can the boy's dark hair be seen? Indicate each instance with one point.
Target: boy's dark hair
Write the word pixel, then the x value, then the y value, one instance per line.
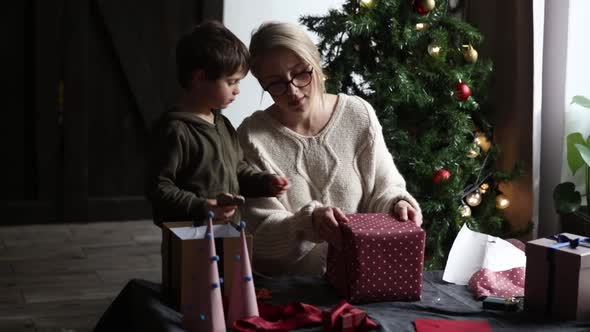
pixel 210 46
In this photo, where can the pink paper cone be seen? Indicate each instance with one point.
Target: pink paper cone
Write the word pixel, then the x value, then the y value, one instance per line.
pixel 208 315
pixel 243 296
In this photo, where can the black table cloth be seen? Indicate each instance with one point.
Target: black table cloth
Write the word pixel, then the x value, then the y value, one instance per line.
pixel 140 307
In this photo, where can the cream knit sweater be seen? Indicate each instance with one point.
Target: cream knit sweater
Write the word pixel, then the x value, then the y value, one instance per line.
pixel 346 165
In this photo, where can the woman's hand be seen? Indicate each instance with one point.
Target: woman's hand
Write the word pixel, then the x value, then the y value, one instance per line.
pixel 404 212
pixel 278 185
pixel 325 222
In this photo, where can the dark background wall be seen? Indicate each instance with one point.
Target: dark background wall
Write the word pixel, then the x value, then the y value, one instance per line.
pixel 86 78
pixel 508 30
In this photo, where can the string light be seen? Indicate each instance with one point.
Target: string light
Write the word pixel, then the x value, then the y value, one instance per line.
pixel 434 50
pixel 465 211
pixel 502 202
pixel 484 188
pixel 473 199
pixel 472 194
pixel 421 26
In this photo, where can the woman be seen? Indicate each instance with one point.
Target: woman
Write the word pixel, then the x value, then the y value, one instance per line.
pixel 330 147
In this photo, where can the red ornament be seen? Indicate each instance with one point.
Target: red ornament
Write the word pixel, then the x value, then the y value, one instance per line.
pixel 462 91
pixel 420 7
pixel 440 175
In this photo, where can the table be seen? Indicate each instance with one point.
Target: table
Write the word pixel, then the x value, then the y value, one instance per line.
pixel 140 307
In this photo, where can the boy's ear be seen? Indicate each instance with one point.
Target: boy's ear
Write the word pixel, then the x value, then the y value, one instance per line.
pixel 198 77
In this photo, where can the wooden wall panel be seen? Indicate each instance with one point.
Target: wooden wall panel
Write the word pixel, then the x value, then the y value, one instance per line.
pixel 112 64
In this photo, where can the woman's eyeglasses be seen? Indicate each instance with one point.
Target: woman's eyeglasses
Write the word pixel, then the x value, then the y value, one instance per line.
pixel 300 80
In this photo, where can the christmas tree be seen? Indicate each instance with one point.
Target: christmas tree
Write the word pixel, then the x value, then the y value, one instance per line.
pixel 418 65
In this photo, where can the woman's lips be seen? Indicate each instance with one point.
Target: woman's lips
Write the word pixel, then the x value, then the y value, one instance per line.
pixel 297 102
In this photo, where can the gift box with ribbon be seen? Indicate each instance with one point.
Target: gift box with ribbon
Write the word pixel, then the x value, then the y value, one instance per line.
pixel 381 259
pixel 557 280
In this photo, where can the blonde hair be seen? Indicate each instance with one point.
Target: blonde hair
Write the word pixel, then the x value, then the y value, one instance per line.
pixel 272 35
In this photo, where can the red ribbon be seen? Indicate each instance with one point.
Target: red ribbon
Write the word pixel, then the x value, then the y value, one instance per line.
pixel 280 318
pixel 346 318
pixel 287 317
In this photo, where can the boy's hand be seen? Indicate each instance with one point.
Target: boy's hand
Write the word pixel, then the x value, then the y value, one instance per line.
pixel 221 211
pixel 229 199
pixel 278 185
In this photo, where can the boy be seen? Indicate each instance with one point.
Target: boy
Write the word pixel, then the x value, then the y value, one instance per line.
pixel 197 155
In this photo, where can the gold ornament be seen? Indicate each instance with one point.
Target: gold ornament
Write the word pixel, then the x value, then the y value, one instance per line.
pixel 434 50
pixel 473 152
pixel 470 54
pixel 483 142
pixel 478 132
pixel 484 188
pixel 473 199
pixel 428 4
pixel 421 26
pixel 465 211
pixel 367 3
pixel 502 202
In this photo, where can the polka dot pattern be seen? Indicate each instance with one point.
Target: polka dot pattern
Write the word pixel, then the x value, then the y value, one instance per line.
pixel 382 259
pixel 501 284
pixel 507 283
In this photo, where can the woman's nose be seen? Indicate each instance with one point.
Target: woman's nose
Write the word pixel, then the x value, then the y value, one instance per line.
pixel 236 91
pixel 292 89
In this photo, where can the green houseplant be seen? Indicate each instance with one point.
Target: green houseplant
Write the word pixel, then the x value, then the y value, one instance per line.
pixel 574 215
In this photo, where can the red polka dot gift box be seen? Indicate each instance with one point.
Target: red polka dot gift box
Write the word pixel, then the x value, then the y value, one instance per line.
pixel 381 259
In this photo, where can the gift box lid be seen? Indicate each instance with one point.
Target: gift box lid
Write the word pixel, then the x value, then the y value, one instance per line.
pixel 190 232
pixel 582 250
pixel 379 223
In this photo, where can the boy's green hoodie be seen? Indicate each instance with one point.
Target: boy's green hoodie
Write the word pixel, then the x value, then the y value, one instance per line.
pixel 194 160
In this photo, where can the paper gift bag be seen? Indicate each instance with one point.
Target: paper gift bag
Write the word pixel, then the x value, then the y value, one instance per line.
pixel 181 246
pixel 558 277
pixel 381 259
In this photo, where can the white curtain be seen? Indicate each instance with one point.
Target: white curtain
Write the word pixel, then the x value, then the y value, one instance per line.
pixel 538 36
pixel 562 69
pixel 552 51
